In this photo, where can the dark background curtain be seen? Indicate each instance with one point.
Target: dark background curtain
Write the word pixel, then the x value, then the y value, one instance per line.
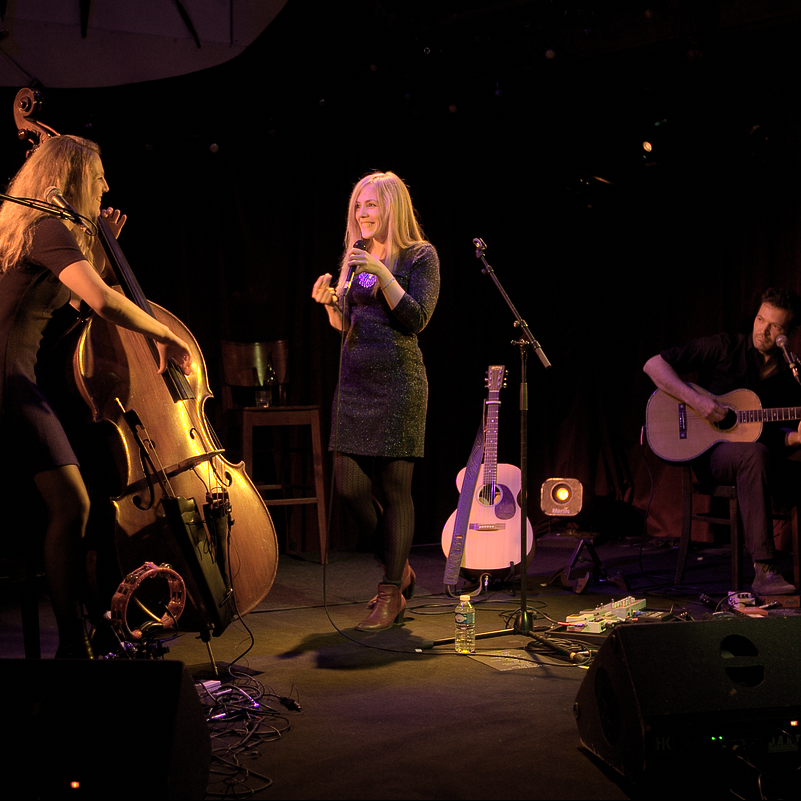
pixel 235 180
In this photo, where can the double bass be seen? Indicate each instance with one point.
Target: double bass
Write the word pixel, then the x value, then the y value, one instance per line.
pixel 174 497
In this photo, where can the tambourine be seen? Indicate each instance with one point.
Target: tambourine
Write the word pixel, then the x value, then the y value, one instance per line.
pixel 127 591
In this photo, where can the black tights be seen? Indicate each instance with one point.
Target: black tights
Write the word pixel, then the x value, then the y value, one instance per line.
pixel 354 481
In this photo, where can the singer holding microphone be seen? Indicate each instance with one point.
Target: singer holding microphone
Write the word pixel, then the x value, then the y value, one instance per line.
pixel 769 466
pixel 46 264
pixel 385 294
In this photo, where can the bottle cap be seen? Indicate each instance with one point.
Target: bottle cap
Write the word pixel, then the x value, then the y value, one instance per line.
pixel 464 597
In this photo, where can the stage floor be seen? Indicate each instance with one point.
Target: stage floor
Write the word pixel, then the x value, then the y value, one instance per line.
pixel 389 716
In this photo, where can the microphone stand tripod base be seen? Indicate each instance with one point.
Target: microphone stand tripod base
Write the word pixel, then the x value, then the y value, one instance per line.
pixel 522 624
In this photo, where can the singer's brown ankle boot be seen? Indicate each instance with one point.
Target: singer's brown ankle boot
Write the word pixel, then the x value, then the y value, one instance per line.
pixel 407 584
pixel 388 610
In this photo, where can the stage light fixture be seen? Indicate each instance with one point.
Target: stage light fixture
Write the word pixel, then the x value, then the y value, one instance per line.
pixel 561 497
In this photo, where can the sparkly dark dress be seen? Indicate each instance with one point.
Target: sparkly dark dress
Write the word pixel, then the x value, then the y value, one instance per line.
pixel 29 298
pixel 383 392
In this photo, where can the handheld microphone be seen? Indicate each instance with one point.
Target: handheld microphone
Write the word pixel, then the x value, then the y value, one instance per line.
pixel 54 197
pixel 789 357
pixel 361 245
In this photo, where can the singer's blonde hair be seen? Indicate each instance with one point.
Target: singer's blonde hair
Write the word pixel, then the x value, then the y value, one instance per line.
pixel 61 161
pixel 395 204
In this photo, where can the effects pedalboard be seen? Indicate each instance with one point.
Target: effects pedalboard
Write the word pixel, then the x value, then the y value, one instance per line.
pixel 596 621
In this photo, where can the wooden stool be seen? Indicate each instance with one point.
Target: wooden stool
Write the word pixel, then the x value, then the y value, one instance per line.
pixel 243 365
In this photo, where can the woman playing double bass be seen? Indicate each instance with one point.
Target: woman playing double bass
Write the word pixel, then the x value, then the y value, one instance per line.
pixel 46 263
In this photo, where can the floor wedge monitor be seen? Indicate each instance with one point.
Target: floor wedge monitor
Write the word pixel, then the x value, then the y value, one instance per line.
pixel 103 729
pixel 662 698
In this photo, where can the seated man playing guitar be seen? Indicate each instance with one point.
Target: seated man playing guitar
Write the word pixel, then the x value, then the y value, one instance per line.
pixel 726 363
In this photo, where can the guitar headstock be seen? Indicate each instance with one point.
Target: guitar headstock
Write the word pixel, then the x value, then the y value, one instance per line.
pixel 496 377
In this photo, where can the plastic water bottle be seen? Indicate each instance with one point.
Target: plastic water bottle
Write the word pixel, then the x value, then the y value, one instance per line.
pixel 465 617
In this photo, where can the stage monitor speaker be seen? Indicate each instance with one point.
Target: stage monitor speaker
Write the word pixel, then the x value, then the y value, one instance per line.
pixel 663 698
pixel 102 729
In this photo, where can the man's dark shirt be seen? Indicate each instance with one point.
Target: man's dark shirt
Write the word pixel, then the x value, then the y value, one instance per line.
pixel 727 362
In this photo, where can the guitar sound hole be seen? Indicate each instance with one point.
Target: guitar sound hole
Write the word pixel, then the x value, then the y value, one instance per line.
pixel 728 422
pixel 486 496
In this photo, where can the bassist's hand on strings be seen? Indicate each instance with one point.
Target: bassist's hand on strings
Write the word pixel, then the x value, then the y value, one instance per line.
pixel 177 351
pixel 115 220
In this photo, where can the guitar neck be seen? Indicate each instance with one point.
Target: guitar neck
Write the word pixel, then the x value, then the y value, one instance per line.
pixel 491 440
pixel 768 415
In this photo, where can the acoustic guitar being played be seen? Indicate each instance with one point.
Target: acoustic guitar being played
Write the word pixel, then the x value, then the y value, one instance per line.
pixel 677 433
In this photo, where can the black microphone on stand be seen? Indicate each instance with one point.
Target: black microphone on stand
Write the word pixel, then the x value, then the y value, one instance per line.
pixel 361 245
pixel 789 357
pixel 54 197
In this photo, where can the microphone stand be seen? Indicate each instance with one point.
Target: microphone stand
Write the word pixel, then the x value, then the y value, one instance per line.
pixel 789 357
pixel 50 208
pixel 522 622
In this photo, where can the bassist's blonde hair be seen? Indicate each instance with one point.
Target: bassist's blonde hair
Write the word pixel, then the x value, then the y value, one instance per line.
pixel 61 161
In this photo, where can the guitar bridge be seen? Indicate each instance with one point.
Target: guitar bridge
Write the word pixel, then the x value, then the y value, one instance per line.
pixel 487 526
pixel 682 421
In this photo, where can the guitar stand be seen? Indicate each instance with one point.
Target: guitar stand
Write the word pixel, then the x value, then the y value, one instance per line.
pixel 597 573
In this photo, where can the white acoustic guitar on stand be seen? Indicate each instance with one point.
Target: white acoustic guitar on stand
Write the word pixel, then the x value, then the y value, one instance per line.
pixel 492 541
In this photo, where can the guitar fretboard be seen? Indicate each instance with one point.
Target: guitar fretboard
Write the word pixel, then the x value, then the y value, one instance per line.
pixel 768 415
pixel 491 441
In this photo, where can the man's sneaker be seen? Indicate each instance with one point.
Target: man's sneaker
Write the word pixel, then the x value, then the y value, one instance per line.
pixel 768 581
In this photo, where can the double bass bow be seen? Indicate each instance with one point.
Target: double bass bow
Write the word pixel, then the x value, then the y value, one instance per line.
pixel 176 498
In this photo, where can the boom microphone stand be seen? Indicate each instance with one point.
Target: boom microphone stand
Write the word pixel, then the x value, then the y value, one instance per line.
pixel 522 623
pixel 65 212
